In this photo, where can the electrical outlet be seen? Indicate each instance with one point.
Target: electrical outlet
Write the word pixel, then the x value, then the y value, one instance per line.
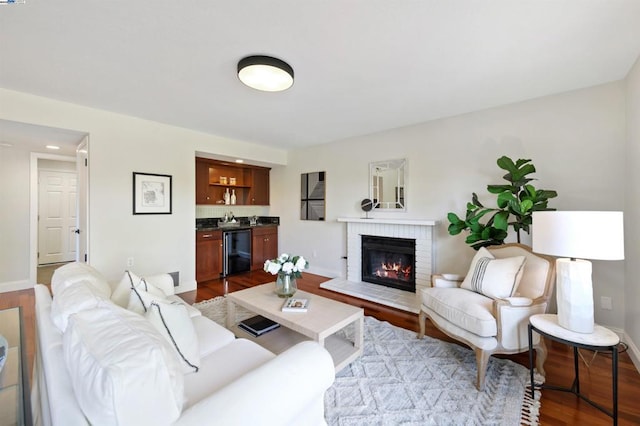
pixel 606 303
pixel 129 262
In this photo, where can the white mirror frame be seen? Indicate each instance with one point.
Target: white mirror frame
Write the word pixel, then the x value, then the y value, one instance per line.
pixel 395 173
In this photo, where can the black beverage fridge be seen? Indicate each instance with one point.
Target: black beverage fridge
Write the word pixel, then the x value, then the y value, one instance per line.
pixel 236 256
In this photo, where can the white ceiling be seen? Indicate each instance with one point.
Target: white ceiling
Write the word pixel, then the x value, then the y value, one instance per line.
pixel 35 138
pixel 361 66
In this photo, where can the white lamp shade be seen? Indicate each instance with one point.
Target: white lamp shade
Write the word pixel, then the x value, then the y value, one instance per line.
pixel 594 235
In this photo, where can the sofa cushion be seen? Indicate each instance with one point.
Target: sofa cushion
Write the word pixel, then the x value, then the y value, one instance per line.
pixel 495 278
pixel 211 335
pixel 122 370
pixel 75 298
pixel 174 324
pixel 73 272
pixel 222 367
pixel 467 309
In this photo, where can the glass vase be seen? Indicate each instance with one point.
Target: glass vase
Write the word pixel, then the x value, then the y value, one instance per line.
pixel 285 285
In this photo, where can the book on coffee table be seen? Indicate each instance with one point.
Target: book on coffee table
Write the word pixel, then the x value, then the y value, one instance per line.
pixel 258 325
pixel 293 304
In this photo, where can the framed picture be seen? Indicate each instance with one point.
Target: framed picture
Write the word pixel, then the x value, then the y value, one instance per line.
pixel 151 193
pixel 312 194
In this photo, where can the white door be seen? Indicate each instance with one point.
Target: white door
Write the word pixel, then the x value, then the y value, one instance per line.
pixel 57 216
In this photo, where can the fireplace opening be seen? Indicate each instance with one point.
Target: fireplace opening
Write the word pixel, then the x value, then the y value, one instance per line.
pixel 389 261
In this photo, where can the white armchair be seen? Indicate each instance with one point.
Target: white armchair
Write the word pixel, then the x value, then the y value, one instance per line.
pixel 489 310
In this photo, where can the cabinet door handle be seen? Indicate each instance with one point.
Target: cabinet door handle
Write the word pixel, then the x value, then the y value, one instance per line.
pixel 207 236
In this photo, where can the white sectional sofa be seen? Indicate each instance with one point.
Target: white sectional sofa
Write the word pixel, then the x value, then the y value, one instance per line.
pixel 100 363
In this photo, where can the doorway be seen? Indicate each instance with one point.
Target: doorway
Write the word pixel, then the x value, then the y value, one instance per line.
pixel 57 207
pixel 78 241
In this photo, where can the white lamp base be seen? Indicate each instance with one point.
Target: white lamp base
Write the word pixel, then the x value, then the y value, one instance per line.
pixel 574 295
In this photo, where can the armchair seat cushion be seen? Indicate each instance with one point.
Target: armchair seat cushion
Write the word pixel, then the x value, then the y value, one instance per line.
pixel 468 310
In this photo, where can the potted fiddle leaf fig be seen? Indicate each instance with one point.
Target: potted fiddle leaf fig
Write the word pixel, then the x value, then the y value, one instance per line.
pixel 516 202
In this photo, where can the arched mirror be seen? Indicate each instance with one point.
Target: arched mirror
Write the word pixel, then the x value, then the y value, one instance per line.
pixel 387 184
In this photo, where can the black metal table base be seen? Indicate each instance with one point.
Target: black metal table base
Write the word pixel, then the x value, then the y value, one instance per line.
pixel 575 387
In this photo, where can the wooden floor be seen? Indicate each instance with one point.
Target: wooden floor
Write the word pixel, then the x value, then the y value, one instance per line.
pixel 558 408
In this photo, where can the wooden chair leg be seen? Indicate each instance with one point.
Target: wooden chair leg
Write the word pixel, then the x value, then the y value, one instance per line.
pixel 482 361
pixel 422 318
pixel 541 356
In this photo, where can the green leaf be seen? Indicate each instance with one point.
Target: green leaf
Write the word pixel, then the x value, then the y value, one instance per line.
pixel 453 218
pixel 486 233
pixel 500 220
pixel 455 229
pixel 497 189
pixel 526 205
pixel 504 199
pixel 474 199
pixel 520 173
pixel 506 163
pixel 472 238
pixel 521 161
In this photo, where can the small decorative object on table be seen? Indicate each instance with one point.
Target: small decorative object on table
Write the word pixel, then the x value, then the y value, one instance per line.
pixel 295 305
pixel 288 268
pixel 258 325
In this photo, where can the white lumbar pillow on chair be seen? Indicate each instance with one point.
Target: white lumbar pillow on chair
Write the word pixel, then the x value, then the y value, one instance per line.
pixel 494 278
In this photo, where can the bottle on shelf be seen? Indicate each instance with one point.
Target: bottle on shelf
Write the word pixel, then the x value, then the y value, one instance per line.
pixel 233 196
pixel 227 197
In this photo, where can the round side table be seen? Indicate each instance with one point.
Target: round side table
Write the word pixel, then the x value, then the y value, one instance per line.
pixel 602 339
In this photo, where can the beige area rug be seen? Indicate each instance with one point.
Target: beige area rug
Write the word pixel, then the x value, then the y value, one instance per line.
pixel 400 380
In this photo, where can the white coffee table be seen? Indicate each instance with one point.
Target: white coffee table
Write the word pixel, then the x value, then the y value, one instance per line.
pixel 320 323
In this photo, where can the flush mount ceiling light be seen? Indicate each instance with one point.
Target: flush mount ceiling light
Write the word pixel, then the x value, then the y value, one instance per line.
pixel 265 73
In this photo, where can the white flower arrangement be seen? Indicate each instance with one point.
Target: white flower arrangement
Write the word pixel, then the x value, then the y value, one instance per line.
pixel 286 264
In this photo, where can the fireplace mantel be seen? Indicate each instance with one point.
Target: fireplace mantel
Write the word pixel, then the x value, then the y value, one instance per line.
pixel 417 222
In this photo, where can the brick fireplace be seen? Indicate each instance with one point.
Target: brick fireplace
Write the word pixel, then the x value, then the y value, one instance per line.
pixel 421 231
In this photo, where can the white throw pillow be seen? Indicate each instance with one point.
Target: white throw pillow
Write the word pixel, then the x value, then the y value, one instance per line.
pixel 130 281
pixel 140 300
pixel 120 295
pixel 494 278
pixel 75 298
pixel 123 372
pixel 174 323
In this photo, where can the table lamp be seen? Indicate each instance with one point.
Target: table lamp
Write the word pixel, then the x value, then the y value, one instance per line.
pixel 576 236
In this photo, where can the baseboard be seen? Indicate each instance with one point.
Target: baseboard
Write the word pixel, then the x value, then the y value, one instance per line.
pixel 186 286
pixel 634 352
pixel 15 286
pixel 329 273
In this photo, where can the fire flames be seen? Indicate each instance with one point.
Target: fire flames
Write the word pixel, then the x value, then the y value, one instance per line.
pixel 393 270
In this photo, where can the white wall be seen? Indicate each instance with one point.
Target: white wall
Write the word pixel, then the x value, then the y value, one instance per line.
pixel 632 210
pixel 576 141
pixel 14 218
pixel 120 145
